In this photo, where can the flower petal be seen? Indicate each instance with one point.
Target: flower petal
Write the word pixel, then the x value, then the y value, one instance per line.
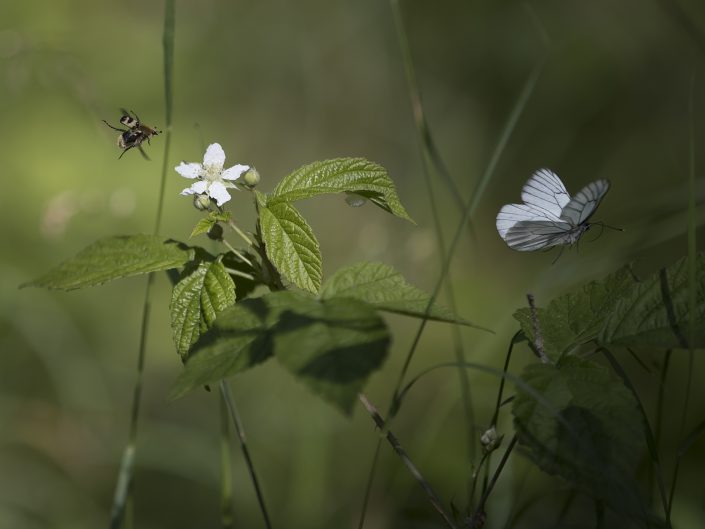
pixel 234 172
pixel 189 170
pixel 197 188
pixel 217 191
pixel 214 157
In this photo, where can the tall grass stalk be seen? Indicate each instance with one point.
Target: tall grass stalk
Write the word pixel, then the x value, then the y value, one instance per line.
pixel 692 283
pixel 471 206
pixel 123 486
pixel 240 430
pixel 432 167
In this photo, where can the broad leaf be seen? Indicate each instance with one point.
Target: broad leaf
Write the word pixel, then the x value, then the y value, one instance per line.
pixel 332 346
pixel 577 317
pixel 196 301
pixel 113 258
pixel 341 175
pixel 655 311
pixel 588 430
pixel 291 245
pixel 238 340
pixel 385 289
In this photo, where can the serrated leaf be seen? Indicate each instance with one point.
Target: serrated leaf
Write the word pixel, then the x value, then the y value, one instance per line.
pixel 592 435
pixel 291 245
pixel 238 340
pixel 204 225
pixel 621 310
pixel 655 312
pixel 577 317
pixel 332 346
pixel 196 301
pixel 384 288
pixel 340 175
pixel 114 258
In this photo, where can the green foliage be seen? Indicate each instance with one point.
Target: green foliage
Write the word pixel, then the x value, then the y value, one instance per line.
pixel 588 430
pixel 113 258
pixel 385 289
pixel 239 339
pixel 332 346
pixel 196 300
pixel 577 317
pixel 621 310
pixel 340 175
pixel 205 224
pixel 291 245
pixel 656 312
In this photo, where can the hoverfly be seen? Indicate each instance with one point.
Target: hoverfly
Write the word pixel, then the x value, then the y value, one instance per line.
pixel 135 134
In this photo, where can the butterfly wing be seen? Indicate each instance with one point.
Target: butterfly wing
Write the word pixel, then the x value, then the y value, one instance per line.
pixel 526 228
pixel 584 203
pixel 545 191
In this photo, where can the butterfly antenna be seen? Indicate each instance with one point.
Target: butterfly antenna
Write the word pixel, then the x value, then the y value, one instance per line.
pixel 607 226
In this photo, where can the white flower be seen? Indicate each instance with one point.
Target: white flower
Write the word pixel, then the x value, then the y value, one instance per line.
pixel 210 178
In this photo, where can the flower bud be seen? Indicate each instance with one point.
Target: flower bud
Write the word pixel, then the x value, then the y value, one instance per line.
pixel 250 178
pixel 201 202
pixel 490 440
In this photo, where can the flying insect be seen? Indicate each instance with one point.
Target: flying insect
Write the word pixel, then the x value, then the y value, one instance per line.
pixel 134 134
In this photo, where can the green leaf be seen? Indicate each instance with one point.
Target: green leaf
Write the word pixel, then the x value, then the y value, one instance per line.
pixel 205 224
pixel 655 312
pixel 238 340
pixel 113 258
pixel 577 317
pixel 351 175
pixel 196 300
pixel 621 310
pixel 291 245
pixel 332 346
pixel 588 431
pixel 385 289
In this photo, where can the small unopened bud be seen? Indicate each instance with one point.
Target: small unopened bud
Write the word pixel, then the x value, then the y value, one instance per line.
pixel 201 202
pixel 490 440
pixel 250 178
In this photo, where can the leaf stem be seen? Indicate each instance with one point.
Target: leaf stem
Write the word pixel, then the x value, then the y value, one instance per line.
pixel 237 252
pixel 241 233
pixel 234 272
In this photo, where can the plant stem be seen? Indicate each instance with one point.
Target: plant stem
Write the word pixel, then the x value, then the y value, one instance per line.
pixel 234 272
pixel 236 252
pixel 241 233
pixel 124 483
pixel 394 442
pixel 481 504
pixel 226 485
pixel 237 422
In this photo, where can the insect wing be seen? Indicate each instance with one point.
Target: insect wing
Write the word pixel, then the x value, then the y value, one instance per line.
pixel 584 203
pixel 525 228
pixel 545 191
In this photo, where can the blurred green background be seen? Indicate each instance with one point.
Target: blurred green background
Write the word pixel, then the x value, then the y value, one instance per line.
pixel 280 84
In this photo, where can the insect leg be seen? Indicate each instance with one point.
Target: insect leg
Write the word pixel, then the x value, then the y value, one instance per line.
pixel 114 128
pixel 144 154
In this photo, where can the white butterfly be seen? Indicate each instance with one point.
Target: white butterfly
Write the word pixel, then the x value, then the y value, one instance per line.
pixel 549 216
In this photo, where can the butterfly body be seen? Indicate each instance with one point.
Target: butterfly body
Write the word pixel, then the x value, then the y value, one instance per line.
pixel 549 216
